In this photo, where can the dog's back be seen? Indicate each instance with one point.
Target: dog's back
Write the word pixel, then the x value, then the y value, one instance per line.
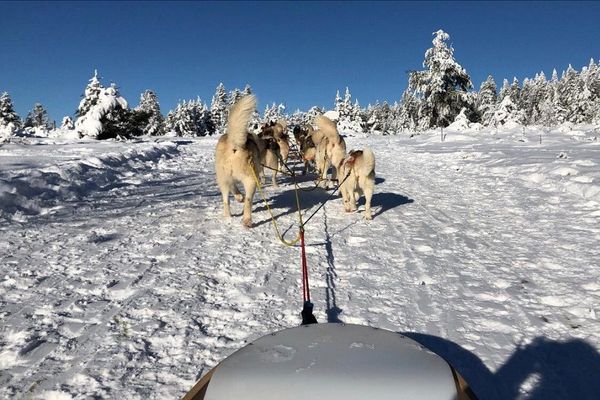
pixel 365 164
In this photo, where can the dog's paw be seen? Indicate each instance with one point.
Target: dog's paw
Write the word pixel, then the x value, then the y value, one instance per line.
pixel 368 216
pixel 239 198
pixel 247 222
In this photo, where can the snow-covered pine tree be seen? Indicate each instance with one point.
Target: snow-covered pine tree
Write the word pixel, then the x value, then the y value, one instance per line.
pixel 578 96
pixel 408 113
pixel 526 100
pixel 234 96
pixel 504 91
pixel 349 114
pixel 107 117
pixel 147 115
pixel 118 120
pixel 486 100
pixel 515 92
pixel 37 118
pixel 10 122
pixel 533 98
pixel 506 114
pixel 67 123
pixel 273 113
pixel 190 118
pixel 591 81
pixel 219 108
pixel 90 95
pixel 346 111
pixel 443 86
pixel 297 118
pixel 338 103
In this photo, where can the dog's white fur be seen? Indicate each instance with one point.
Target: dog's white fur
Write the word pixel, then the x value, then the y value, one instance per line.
pixel 237 158
pixel 359 166
pixel 330 147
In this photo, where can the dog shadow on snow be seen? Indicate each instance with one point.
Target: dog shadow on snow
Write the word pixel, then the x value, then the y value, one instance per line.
pixel 286 201
pixel 551 369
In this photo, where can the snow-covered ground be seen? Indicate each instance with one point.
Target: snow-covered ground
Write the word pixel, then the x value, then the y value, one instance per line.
pixel 120 279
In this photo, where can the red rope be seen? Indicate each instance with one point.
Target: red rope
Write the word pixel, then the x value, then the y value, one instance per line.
pixel 305 289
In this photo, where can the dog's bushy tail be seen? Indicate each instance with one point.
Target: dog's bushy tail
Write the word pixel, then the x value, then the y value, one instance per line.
pixel 237 124
pixel 369 161
pixel 327 126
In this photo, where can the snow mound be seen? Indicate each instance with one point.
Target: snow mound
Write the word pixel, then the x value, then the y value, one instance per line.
pixel 38 188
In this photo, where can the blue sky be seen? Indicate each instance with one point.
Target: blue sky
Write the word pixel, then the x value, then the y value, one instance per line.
pixel 297 53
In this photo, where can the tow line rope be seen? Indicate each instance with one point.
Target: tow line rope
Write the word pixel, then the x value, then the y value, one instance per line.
pixel 307 309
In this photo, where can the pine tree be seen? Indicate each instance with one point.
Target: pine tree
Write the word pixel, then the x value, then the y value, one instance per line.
pixel 219 108
pixel 67 123
pixel 107 116
pixel 349 113
pixel 117 120
pixel 504 91
pixel 90 96
pixel 515 91
pixel 507 113
pixel 190 118
pixel 443 86
pixel 234 96
pixel 147 115
pixel 10 122
pixel 532 98
pixel 347 105
pixel 486 100
pixel 273 113
pixel 37 118
pixel 338 103
pixel 408 113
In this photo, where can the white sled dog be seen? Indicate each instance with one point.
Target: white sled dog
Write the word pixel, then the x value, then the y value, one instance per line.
pixel 330 147
pixel 237 158
pixel 359 166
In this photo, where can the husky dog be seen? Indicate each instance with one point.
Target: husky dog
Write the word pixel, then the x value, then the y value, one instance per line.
pixel 330 147
pixel 283 139
pixel 237 158
pixel 269 155
pixel 306 146
pixel 277 130
pixel 359 168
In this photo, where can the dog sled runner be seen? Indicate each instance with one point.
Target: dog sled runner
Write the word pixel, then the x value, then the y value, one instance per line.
pixel 332 361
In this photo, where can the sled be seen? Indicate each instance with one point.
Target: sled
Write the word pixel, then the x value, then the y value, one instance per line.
pixel 332 361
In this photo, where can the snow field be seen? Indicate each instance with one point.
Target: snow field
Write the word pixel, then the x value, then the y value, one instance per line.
pixel 480 248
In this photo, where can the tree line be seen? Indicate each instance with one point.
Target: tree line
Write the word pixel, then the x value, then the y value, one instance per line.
pixel 437 96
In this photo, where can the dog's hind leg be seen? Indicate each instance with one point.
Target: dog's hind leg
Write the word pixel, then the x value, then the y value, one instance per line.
pixel 275 178
pixel 225 187
pixel 249 188
pixel 368 191
pixel 239 197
